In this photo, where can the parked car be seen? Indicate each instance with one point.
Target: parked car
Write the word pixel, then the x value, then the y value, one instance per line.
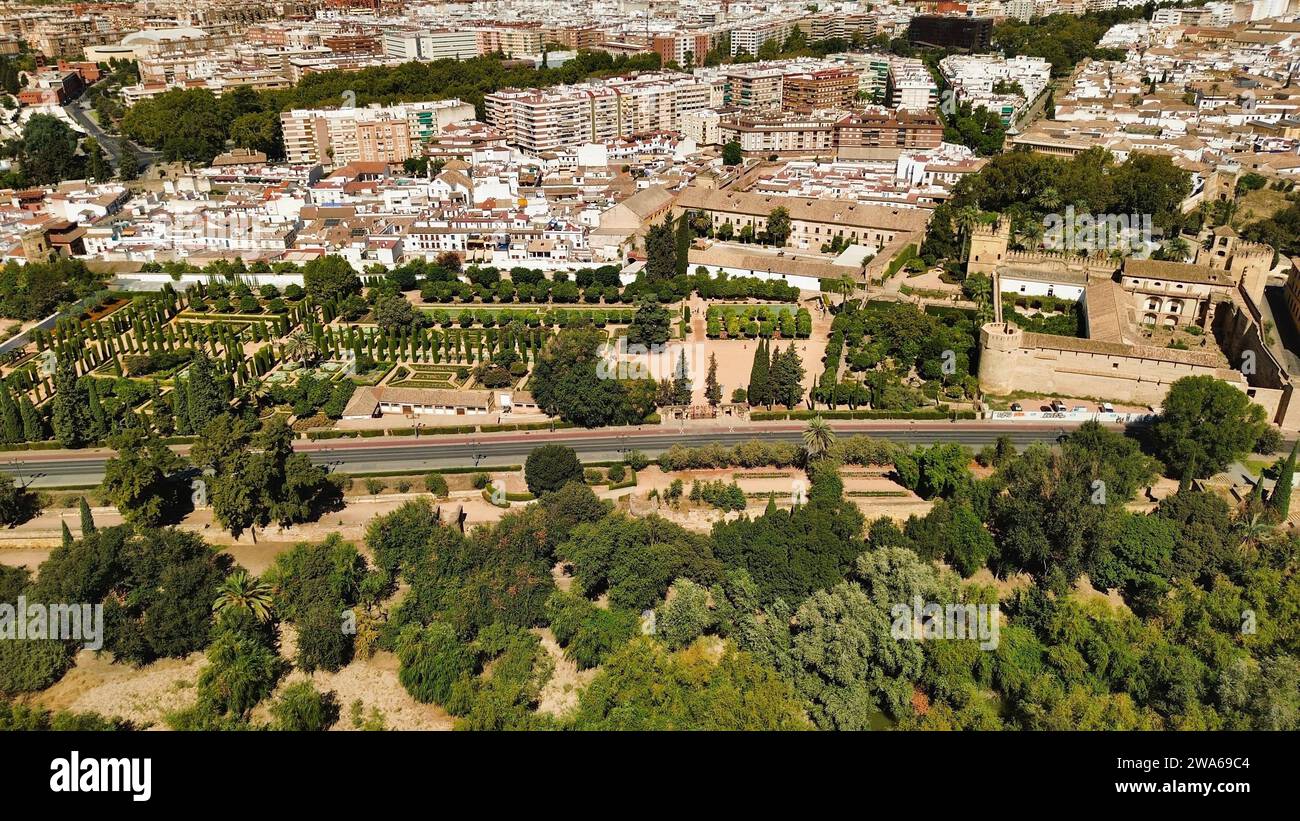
pixel 1017 407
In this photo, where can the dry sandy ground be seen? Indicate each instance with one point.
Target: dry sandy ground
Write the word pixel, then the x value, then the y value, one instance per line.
pixel 736 356
pixel 142 695
pixel 559 696
pixel 374 682
pixel 784 483
pixel 930 281
pixel 30 544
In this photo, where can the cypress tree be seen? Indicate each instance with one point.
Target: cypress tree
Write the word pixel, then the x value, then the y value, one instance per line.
pixel 661 251
pixel 758 376
pixel 33 429
pixel 208 392
pixel 787 377
pixel 683 245
pixel 98 418
pixel 681 381
pixel 1280 499
pixel 11 423
pixel 181 409
pixel 773 373
pixel 68 406
pixel 67 535
pixel 87 520
pixel 712 390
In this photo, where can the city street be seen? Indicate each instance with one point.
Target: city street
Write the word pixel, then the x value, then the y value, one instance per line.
pixel 49 469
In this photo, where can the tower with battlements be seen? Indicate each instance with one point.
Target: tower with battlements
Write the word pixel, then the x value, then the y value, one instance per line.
pixel 1247 262
pixel 988 246
pixel 36 246
pixel 1000 343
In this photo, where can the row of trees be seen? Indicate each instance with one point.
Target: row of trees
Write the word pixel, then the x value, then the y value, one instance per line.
pixel 1024 187
pixel 776 376
pixel 250 476
pixel 775 621
pixel 800 600
pixel 194 125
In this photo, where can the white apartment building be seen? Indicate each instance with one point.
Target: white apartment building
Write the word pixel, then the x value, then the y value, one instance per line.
pixel 335 137
pixel 448 44
pixel 542 120
pixel 988 80
pixel 704 127
pixel 1022 10
pixel 749 39
pixel 421 44
pixel 910 85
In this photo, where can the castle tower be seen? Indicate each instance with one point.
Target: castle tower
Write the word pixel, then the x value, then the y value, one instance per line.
pixel 1250 264
pixel 1000 343
pixel 1219 253
pixel 36 247
pixel 988 246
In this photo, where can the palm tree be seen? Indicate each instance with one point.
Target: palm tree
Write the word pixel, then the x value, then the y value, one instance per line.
pixel 966 217
pixel 818 438
pixel 847 284
pixel 1049 199
pixel 301 346
pixel 1175 248
pixel 1251 531
pixel 254 392
pixel 242 592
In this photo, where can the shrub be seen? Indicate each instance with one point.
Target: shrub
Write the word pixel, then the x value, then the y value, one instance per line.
pixel 616 473
pixel 636 460
pixel 28 666
pixel 303 708
pixel 481 481
pixel 322 644
pixel 588 633
pixel 374 486
pixel 685 616
pixel 436 484
pixel 550 467
pixel 403 486
pixel 1269 441
pixel 433 659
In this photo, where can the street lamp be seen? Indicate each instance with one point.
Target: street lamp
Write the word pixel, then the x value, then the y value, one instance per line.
pixel 480 456
pixel 23 482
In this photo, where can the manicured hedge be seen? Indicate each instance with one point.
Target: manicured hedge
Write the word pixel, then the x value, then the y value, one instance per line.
pixel 941 412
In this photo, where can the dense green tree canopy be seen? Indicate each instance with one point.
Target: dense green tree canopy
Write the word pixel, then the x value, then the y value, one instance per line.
pixel 1204 424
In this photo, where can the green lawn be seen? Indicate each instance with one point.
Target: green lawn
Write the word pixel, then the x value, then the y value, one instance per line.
pixel 413 375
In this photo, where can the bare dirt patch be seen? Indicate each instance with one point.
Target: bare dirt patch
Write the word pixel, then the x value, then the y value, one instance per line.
pixel 559 696
pixel 141 695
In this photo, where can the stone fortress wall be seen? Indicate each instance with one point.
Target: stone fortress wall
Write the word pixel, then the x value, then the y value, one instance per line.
pixel 1117 369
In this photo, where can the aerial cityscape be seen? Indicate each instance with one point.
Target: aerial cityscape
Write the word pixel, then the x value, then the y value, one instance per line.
pixel 649 365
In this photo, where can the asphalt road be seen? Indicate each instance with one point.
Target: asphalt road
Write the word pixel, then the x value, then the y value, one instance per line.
pixel 111 145
pixel 21 339
pixel 360 456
